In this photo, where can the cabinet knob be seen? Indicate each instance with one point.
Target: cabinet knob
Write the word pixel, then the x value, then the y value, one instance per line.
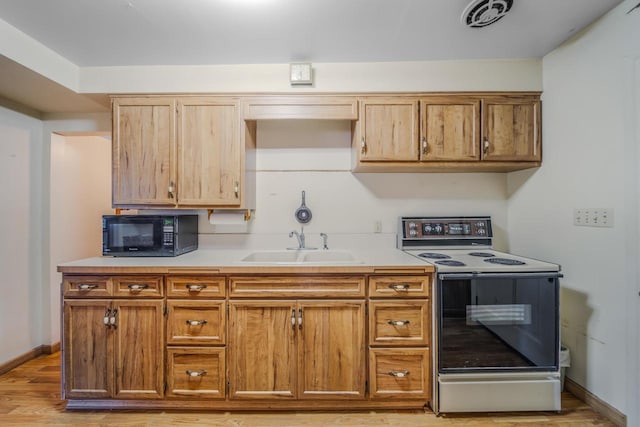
pixel 398 322
pixel 199 373
pixel 87 286
pixel 425 146
pixel 196 322
pixel 363 146
pixel 399 374
pixel 300 313
pixel 485 145
pixel 195 288
pixel 293 319
pixel 171 190
pixel 107 315
pixel 112 319
pixel 236 189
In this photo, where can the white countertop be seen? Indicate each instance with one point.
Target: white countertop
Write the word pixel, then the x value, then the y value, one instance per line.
pixel 231 260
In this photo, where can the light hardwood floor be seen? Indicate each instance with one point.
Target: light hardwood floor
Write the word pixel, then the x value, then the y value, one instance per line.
pixel 30 396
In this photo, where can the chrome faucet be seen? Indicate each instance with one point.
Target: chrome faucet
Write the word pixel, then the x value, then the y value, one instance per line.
pixel 299 236
pixel 324 241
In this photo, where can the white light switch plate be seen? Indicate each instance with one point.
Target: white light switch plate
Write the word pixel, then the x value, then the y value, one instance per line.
pixel 593 217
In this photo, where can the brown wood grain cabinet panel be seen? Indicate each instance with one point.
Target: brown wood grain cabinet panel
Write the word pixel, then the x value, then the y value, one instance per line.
pixel 87 349
pixel 511 129
pixel 139 349
pixel 196 287
pixel 332 350
pixel 87 286
pixel 196 322
pixel 400 322
pixel 144 151
pixel 388 129
pixel 196 372
pixel 262 359
pixel 209 152
pixel 297 286
pixel 138 286
pixel 450 129
pixel 399 286
pixel 400 373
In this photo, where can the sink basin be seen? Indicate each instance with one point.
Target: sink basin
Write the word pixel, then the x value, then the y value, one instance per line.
pixel 302 257
pixel 272 256
pixel 329 256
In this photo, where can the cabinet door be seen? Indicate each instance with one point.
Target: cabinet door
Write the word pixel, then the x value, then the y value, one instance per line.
pixel 87 350
pixel 331 350
pixel 388 130
pixel 511 129
pixel 139 349
pixel 449 129
pixel 144 166
pixel 209 151
pixel 262 351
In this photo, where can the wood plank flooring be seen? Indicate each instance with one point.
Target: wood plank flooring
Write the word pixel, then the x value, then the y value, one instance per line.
pixel 30 396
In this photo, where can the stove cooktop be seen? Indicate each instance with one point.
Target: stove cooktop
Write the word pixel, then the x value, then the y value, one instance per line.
pixel 480 261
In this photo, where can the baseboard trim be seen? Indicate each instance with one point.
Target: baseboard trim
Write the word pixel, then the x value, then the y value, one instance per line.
pixel 30 355
pixel 597 404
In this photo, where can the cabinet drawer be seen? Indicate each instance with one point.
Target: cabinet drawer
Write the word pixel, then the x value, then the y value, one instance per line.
pixel 196 322
pixel 196 286
pixel 405 322
pixel 137 286
pixel 400 374
pixel 87 286
pixel 297 286
pixel 197 372
pixel 399 286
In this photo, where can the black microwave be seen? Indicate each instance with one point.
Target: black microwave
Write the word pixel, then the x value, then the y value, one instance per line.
pixel 149 235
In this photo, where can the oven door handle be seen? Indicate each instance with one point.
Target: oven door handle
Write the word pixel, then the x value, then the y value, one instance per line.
pixel 461 276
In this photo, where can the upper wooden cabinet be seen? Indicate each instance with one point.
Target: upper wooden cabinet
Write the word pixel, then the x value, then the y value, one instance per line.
pixel 448 132
pixel 511 128
pixel 209 152
pixel 387 130
pixel 180 152
pixel 144 151
pixel 449 129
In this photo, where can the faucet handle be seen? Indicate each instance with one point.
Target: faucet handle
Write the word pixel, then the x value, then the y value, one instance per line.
pixel 324 241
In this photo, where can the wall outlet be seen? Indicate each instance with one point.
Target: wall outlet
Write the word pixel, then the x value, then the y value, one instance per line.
pixel 377 226
pixel 593 217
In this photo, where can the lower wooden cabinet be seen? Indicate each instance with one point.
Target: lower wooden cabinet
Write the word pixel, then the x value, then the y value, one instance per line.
pixel 400 373
pixel 113 348
pixel 297 350
pixel 246 341
pixel 196 372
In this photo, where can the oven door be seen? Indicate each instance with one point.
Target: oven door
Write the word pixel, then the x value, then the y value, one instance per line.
pixel 502 322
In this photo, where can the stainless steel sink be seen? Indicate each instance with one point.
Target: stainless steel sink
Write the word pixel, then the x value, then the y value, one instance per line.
pixel 302 257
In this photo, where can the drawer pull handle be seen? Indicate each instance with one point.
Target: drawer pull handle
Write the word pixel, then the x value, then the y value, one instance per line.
pixel 87 286
pixel 399 286
pixel 199 373
pixel 196 322
pixel 399 374
pixel 196 288
pixel 137 287
pixel 398 322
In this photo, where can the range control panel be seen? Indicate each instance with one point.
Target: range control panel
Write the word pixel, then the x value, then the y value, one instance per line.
pixel 447 227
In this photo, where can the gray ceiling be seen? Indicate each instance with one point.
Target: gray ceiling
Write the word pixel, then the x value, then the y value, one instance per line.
pixel 198 32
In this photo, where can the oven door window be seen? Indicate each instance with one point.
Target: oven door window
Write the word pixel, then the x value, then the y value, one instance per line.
pixel 498 323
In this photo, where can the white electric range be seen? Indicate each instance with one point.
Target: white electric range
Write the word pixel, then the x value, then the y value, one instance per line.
pixel 495 317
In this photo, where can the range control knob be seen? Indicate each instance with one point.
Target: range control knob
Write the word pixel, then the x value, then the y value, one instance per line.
pixel 428 229
pixel 413 232
pixel 481 231
pixel 412 225
pixel 438 228
pixel 479 224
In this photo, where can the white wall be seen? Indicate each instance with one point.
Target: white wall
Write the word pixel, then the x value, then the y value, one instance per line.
pixel 80 194
pixel 591 143
pixel 21 230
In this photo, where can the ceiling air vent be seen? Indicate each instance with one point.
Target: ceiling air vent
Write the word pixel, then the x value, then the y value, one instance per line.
pixel 481 13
